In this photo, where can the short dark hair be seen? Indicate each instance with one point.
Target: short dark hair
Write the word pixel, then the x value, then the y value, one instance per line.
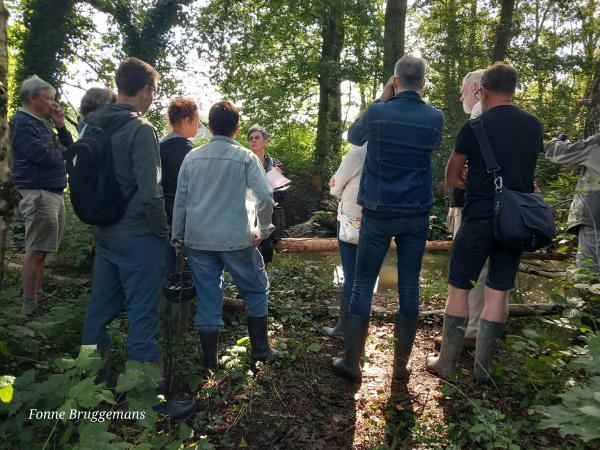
pixel 133 74
pixel 181 108
pixel 261 130
pixel 410 72
pixel 223 118
pixel 500 77
pixel 94 98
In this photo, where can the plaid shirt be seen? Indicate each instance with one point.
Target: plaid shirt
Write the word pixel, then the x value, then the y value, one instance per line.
pixel 38 160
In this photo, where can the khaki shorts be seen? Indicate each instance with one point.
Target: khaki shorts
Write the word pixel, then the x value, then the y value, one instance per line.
pixel 44 215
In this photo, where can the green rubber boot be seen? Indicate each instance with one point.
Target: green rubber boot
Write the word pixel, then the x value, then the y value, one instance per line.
pixel 357 329
pixel 453 335
pixel 488 335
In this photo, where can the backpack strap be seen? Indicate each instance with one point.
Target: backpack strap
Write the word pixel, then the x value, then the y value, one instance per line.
pixel 491 163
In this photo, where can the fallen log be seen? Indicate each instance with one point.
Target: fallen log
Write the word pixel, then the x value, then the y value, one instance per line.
pixel 514 310
pixel 314 245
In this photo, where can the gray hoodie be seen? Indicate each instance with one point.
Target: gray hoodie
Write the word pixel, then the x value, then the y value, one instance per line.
pixel 138 172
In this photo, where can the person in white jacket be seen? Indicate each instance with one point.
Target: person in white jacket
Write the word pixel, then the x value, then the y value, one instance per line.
pixel 344 185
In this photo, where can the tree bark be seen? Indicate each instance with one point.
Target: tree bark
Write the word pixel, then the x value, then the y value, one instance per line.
pixel 9 197
pixel 393 35
pixel 592 118
pixel 329 126
pixel 503 31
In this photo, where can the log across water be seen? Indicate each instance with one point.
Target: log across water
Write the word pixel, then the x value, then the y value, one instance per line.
pixel 314 245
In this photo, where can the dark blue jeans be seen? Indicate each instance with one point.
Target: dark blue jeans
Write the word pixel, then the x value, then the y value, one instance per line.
pixel 348 257
pixel 410 234
pixel 127 270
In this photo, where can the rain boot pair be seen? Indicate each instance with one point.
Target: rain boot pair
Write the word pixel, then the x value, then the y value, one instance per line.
pixel 357 328
pixel 453 335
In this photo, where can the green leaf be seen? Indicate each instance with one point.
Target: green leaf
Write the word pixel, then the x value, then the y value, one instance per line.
pixel 4 349
pixel 89 359
pixel 129 380
pixel 477 428
pixel 185 432
pixel 243 340
pixel 590 410
pixel 6 393
pixel 314 347
pixel 64 363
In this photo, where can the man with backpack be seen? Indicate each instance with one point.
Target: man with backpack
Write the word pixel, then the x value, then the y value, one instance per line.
pixel 130 252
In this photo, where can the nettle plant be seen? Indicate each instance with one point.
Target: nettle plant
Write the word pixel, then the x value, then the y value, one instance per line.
pixel 71 409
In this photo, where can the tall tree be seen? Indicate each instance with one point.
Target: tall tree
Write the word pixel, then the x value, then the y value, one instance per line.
pixel 49 29
pixel 592 118
pixel 329 125
pixel 503 30
pixel 9 197
pixel 393 35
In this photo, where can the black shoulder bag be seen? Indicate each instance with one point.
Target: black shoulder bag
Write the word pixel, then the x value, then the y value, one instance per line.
pixel 522 220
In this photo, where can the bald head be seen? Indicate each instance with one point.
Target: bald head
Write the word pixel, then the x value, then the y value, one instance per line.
pixel 410 72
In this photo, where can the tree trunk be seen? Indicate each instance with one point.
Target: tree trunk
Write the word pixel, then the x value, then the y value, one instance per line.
pixel 9 197
pixel 503 31
pixel 329 125
pixel 592 118
pixel 393 35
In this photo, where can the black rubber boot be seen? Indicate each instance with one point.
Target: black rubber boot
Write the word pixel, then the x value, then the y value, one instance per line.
pixel 488 335
pixel 357 329
pixel 209 342
pixel 405 329
pixel 453 335
pixel 338 330
pixel 259 340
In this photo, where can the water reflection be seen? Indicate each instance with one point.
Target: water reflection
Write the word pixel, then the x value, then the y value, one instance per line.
pixel 435 266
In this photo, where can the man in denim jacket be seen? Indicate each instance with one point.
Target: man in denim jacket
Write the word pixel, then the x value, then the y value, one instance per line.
pixel 396 195
pixel 214 225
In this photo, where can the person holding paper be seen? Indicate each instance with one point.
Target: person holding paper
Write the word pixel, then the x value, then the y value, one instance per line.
pixel 258 137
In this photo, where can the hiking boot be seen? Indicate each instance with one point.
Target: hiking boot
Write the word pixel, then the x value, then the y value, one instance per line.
pixel 453 335
pixel 357 329
pixel 338 330
pixel 259 340
pixel 209 342
pixel 487 342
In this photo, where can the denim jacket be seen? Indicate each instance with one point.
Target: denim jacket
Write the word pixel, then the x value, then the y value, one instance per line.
pixel 401 133
pixel 221 190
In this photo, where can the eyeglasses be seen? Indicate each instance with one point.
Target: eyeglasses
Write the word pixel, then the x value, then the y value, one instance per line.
pixel 477 93
pixel 153 89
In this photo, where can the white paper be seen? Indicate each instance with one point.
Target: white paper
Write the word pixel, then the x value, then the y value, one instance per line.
pixel 276 179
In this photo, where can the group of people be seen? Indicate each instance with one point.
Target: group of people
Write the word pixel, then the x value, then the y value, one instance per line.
pixel 384 184
pixel 182 203
pixel 192 203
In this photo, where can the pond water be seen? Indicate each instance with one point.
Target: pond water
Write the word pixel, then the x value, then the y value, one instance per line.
pixel 529 288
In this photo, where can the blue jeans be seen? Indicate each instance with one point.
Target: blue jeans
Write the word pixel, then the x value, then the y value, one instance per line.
pixel 247 269
pixel 130 270
pixel 348 257
pixel 410 234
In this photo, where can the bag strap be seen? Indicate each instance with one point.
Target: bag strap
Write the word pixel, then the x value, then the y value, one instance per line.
pixel 491 163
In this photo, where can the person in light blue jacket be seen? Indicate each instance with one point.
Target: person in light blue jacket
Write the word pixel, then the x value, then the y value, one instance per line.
pixel 213 225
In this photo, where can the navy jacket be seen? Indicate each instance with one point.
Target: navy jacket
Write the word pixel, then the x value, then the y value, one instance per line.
pixel 401 133
pixel 38 162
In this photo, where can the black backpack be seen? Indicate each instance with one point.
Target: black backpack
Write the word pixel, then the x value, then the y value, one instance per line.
pixel 95 193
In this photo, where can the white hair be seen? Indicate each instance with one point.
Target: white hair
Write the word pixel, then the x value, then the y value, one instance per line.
pixel 33 87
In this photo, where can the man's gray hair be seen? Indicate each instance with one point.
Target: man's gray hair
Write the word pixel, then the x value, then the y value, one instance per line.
pixel 410 72
pixel 33 87
pixel 472 78
pixel 261 130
